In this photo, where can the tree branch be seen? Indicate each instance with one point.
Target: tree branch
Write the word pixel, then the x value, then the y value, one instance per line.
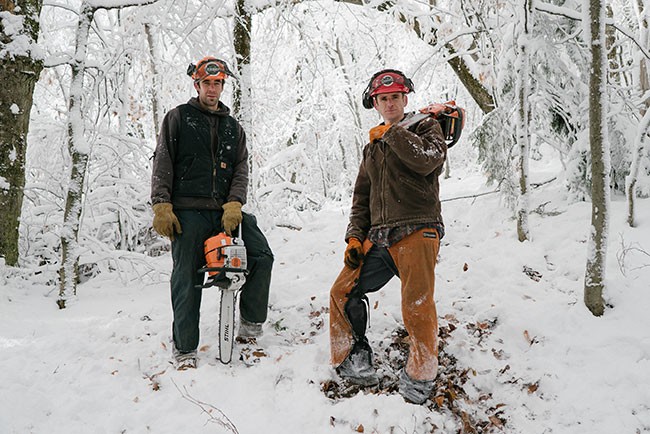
pixel 479 93
pixel 577 16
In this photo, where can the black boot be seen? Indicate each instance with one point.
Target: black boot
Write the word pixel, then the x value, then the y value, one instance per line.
pixel 357 367
pixel 415 391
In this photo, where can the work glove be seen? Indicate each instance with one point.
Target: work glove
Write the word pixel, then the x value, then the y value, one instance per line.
pixel 353 253
pixel 378 132
pixel 165 221
pixel 231 216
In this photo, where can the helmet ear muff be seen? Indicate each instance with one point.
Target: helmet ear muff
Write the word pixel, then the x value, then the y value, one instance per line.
pixel 191 69
pixel 366 98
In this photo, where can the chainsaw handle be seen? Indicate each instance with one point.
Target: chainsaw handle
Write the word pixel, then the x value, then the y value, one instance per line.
pixel 452 125
pixel 451 119
pixel 222 270
pixel 221 278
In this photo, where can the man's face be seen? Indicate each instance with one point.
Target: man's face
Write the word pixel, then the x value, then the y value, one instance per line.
pixel 391 106
pixel 209 91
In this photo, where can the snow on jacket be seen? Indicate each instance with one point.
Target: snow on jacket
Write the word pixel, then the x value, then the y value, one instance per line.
pixel 397 183
pixel 212 169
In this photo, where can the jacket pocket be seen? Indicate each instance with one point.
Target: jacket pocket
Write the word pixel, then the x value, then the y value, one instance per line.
pixel 187 168
pixel 420 186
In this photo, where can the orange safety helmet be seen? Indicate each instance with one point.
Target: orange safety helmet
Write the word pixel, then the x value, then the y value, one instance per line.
pixel 209 67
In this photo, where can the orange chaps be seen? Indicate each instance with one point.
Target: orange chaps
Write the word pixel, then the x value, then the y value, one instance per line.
pixel 415 258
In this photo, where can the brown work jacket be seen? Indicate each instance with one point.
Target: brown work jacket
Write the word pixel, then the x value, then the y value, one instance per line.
pixel 397 183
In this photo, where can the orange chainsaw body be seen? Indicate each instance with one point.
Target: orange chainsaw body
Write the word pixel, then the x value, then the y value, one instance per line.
pixel 224 252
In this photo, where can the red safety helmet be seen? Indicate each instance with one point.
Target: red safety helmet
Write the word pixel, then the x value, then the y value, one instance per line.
pixel 386 81
pixel 209 67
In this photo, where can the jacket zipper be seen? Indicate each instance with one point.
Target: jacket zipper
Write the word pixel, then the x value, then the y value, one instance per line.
pixel 382 176
pixel 215 141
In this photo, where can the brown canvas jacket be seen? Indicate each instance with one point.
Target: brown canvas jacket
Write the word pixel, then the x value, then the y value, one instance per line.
pixel 397 183
pixel 163 163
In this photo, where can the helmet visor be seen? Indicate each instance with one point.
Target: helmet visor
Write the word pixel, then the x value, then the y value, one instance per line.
pixel 389 82
pixel 210 67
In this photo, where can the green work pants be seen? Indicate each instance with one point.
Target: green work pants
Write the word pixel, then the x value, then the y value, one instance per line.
pixel 188 257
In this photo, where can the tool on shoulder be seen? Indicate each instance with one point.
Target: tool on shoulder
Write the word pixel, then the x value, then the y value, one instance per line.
pixel 450 117
pixel 226 268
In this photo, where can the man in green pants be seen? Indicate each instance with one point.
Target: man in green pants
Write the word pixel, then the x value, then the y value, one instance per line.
pixel 198 186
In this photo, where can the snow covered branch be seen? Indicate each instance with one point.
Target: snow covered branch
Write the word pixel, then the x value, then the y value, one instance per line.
pixel 576 16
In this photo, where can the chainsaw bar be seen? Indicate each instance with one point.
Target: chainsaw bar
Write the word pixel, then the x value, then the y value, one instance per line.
pixel 226 268
pixel 227 325
pixel 409 121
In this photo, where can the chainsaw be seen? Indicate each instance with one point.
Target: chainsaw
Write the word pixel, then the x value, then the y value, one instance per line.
pixel 225 268
pixel 450 117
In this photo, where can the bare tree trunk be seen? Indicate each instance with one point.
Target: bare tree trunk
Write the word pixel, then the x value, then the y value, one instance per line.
pixel 640 150
pixel 355 110
pixel 600 160
pixel 77 146
pixel 153 61
pixel 523 120
pixel 242 40
pixel 242 103
pixel 18 75
pixel 478 92
pixel 644 126
pixel 612 50
pixel 124 242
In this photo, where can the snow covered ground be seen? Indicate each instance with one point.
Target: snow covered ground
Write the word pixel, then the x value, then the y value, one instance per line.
pixel 533 353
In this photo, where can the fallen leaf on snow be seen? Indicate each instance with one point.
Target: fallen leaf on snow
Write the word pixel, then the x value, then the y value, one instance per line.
pixel 530 340
pixel 496 421
pixel 533 274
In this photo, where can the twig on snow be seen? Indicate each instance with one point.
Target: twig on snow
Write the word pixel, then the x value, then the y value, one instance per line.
pixel 222 420
pixel 621 256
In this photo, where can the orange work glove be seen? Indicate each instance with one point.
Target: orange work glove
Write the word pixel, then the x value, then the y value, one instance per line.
pixel 353 253
pixel 231 216
pixel 378 132
pixel 165 221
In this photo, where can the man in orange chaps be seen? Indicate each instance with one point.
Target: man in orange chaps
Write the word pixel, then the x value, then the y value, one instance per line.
pixel 413 260
pixel 395 229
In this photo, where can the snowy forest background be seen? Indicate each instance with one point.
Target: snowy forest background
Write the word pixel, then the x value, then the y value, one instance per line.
pixel 109 70
pixel 85 85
